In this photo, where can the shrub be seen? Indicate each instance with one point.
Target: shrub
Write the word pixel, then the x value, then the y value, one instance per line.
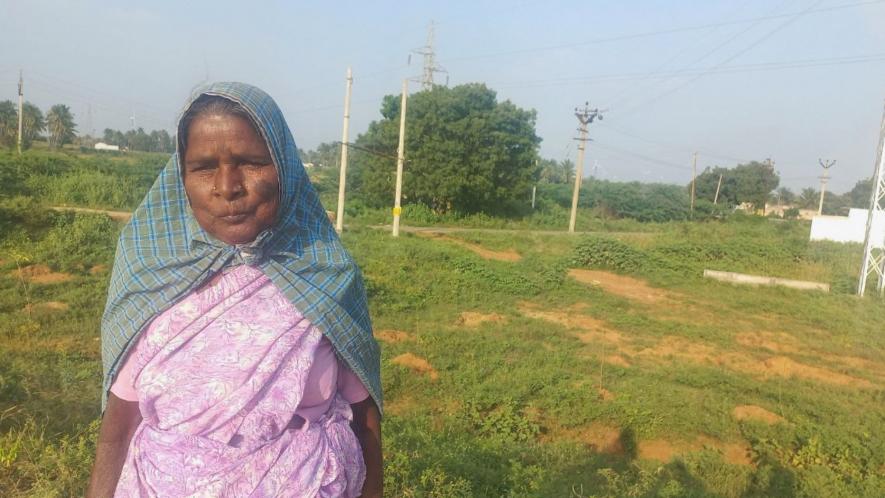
pixel 79 241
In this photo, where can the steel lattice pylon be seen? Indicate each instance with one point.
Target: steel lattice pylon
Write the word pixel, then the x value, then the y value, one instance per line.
pixel 874 245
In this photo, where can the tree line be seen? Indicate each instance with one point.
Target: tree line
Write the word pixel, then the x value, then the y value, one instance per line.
pixel 140 140
pixel 58 122
pixel 468 152
pixel 60 129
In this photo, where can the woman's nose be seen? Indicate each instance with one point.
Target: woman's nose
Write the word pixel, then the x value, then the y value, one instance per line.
pixel 229 182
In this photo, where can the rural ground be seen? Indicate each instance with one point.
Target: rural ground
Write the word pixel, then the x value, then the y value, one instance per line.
pixel 519 363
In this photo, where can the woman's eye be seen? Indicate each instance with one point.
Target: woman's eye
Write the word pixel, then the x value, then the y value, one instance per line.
pixel 200 167
pixel 255 164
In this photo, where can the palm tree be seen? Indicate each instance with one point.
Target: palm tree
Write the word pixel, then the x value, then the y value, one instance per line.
pixel 8 123
pixel 32 124
pixel 61 125
pixel 808 198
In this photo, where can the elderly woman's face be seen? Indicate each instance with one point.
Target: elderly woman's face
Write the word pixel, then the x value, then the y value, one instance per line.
pixel 230 178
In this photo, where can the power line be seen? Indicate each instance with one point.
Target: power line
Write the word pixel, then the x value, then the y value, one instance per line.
pixel 678 148
pixel 654 160
pixel 790 19
pixel 732 69
pixel 660 32
pixel 715 48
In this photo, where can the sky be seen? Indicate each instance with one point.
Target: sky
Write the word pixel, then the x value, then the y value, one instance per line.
pixel 791 80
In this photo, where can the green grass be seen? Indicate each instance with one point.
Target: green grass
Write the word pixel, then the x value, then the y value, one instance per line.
pixel 516 401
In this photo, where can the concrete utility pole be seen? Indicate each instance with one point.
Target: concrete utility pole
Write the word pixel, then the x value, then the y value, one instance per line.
pixel 400 159
pixel 585 117
pixel 430 65
pixel 718 186
pixel 770 162
pixel 694 178
pixel 874 246
pixel 342 179
pixel 823 182
pixel 21 105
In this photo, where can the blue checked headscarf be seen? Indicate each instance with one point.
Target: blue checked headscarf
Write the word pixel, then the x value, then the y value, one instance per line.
pixel 163 254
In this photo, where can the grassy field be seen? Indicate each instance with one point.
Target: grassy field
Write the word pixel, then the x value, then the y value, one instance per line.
pixel 514 364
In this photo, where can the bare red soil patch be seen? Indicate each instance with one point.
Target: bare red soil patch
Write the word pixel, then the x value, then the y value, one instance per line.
pixel 98 269
pixel 736 453
pixel 591 329
pixel 776 366
pixel 47 306
pixel 787 367
pixel 509 255
pixel 670 348
pixel 599 437
pixel 753 412
pixel 416 364
pixel 620 285
pixel 41 274
pixel 403 405
pixel 778 342
pixel 392 336
pixel 475 319
pixel 617 360
pixel 605 394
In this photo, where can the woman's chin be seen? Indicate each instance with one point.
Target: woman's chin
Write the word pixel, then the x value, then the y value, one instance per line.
pixel 234 237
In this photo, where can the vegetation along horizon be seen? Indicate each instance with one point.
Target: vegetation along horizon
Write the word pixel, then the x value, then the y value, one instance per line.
pixel 517 360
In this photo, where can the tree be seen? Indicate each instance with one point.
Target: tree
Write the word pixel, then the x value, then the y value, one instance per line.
pixel 708 180
pixel 326 155
pixel 809 198
pixel 155 141
pixel 556 171
pixel 859 196
pixel 32 124
pixel 751 182
pixel 785 196
pixel 8 123
pixel 754 181
pixel 62 128
pixel 465 151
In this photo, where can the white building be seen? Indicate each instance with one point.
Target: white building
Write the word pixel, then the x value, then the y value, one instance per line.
pixel 848 229
pixel 104 146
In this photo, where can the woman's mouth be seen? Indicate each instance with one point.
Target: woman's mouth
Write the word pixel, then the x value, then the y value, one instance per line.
pixel 235 218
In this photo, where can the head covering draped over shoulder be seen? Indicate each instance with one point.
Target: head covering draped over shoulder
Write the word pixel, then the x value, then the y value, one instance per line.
pixel 163 254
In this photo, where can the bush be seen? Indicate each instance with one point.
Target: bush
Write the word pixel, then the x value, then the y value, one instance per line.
pixel 22 214
pixel 79 241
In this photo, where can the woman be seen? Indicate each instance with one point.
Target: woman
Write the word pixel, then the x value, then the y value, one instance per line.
pixel 236 340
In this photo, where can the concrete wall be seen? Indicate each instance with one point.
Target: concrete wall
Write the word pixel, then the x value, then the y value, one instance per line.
pixel 848 229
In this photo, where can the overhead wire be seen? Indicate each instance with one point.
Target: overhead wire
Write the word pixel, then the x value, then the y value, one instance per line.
pixel 660 32
pixel 789 20
pixel 621 98
pixel 728 69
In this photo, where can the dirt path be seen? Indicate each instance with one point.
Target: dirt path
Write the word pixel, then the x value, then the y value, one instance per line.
pixel 445 230
pixel 508 255
pixel 114 215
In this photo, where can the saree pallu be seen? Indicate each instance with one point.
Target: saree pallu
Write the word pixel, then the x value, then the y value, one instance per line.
pixel 221 376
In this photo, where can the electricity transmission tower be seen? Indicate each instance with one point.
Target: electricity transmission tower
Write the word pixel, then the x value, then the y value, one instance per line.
pixel 873 262
pixel 826 165
pixel 585 117
pixel 430 65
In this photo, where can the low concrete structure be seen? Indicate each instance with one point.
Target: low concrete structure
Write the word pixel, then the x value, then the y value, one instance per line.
pixel 740 278
pixel 104 146
pixel 780 209
pixel 851 228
